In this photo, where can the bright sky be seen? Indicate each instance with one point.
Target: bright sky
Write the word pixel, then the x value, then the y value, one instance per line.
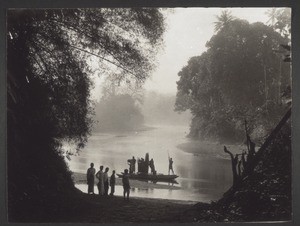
pixel 188 31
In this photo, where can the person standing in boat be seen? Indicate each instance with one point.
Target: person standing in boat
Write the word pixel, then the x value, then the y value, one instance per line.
pixel 152 167
pixel 171 165
pixel 112 183
pixel 126 185
pixel 130 163
pixel 100 185
pixel 142 163
pixel 90 178
pixel 106 184
pixel 133 161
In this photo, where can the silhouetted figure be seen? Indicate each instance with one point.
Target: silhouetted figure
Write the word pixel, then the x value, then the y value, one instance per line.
pixel 133 161
pixel 152 167
pixel 106 184
pixel 100 185
pixel 141 163
pixel 126 185
pixel 146 165
pixel 171 165
pixel 112 182
pixel 90 178
pixel 130 165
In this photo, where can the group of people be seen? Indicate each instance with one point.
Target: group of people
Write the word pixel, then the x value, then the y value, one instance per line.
pixel 104 181
pixel 144 164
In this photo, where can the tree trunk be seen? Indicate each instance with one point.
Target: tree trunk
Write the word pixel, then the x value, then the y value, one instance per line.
pixel 251 164
pixel 234 161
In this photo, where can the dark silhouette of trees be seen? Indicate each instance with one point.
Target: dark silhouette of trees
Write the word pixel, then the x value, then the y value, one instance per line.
pixel 239 77
pixel 48 86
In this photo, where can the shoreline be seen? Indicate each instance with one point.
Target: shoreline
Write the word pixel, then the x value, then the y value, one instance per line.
pixel 124 131
pixel 207 149
pixel 154 200
pixel 80 178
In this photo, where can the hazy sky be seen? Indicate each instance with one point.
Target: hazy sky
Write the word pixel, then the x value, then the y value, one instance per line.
pixel 188 31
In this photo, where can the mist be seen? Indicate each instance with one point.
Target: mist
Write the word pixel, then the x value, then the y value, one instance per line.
pixel 158 109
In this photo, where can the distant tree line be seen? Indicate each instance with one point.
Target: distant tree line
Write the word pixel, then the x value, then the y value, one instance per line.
pixel 241 76
pixel 118 112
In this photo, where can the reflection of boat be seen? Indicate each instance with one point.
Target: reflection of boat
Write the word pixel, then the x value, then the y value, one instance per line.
pixel 152 177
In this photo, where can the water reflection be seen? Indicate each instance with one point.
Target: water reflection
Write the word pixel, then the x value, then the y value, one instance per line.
pixel 201 178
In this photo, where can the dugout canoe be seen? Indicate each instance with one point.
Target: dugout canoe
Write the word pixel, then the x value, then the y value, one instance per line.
pixel 152 177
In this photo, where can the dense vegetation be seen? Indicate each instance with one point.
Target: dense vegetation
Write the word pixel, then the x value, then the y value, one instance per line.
pixel 48 70
pixel 240 76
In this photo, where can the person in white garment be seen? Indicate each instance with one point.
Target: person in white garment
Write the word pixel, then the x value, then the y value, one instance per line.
pixel 100 185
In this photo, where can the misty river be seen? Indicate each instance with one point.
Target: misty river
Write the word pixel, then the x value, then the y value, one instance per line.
pixel 202 177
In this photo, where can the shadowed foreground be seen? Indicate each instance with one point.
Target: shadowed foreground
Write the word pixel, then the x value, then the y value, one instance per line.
pixel 80 207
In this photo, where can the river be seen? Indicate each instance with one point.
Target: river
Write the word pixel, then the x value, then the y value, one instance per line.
pixel 202 178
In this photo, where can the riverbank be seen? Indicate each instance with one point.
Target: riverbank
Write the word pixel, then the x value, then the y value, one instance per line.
pixel 141 128
pixel 264 195
pixel 210 149
pixel 80 178
pixel 78 207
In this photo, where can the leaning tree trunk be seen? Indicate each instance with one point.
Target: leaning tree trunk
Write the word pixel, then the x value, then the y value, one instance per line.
pixel 251 164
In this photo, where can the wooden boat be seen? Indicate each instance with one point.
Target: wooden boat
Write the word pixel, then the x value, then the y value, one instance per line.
pixel 152 177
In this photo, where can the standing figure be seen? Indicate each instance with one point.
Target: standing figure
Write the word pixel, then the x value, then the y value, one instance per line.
pixel 112 182
pixel 126 185
pixel 106 184
pixel 100 185
pixel 129 162
pixel 90 178
pixel 152 167
pixel 133 161
pixel 171 165
pixel 146 166
pixel 141 165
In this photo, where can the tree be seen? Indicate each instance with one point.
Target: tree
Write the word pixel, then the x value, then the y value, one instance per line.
pixel 49 81
pixel 281 21
pixel 223 20
pixel 236 78
pixel 272 14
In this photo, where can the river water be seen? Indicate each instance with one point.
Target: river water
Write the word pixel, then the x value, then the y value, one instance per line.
pixel 202 177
